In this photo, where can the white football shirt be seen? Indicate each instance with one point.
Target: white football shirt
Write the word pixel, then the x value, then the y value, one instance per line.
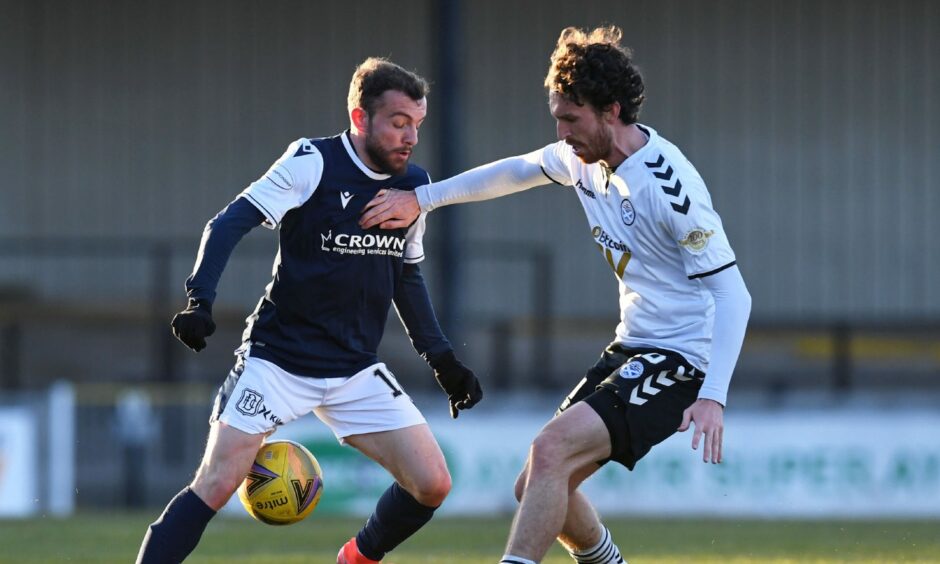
pixel 653 221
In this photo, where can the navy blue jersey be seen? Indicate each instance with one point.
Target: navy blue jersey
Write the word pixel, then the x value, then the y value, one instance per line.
pixel 325 310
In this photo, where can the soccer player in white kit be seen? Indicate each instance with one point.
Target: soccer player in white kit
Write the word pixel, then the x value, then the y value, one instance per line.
pixel 683 304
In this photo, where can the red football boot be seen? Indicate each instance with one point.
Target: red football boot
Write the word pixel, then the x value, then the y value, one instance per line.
pixel 350 554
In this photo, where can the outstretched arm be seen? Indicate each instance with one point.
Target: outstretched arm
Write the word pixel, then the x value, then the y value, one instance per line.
pixel 417 315
pixel 222 233
pixel 391 209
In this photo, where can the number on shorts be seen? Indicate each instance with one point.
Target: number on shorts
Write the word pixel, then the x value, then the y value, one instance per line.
pixel 395 391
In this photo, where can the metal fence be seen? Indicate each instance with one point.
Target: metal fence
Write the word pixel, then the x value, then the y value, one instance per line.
pixel 108 321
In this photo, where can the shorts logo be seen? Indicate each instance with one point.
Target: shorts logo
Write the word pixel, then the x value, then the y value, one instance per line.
pixel 627 213
pixel 250 402
pixel 696 240
pixel 631 370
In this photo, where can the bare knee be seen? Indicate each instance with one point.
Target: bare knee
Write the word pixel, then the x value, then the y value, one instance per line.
pixel 228 457
pixel 431 490
pixel 216 483
pixel 548 454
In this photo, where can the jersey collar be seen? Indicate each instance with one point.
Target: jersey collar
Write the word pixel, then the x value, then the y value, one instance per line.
pixel 351 151
pixel 638 156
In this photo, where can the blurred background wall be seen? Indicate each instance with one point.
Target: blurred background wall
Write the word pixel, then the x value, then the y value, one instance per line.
pixel 125 126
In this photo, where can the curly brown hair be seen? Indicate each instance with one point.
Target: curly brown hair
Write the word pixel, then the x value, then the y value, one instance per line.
pixel 593 67
pixel 375 76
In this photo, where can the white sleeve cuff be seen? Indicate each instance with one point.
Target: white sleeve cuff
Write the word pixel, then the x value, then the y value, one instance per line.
pixel 424 198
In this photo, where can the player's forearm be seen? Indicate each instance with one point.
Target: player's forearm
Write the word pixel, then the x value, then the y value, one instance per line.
pixel 413 304
pixel 500 178
pixel 732 309
pixel 219 238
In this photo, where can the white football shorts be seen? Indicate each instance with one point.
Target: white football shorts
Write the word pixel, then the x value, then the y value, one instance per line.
pixel 259 396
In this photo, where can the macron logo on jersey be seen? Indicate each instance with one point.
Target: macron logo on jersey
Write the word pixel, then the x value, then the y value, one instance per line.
pixel 345 197
pixel 305 149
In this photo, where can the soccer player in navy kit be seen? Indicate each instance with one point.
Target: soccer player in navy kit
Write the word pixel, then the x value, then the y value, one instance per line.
pixel 310 344
pixel 683 304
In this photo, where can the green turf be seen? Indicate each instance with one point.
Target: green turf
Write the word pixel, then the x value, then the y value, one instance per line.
pixel 105 538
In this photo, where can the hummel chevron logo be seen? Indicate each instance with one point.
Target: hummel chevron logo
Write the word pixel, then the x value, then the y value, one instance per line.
pixel 674 191
pixel 662 380
pixel 345 197
pixel 664 175
pixel 635 398
pixel 648 389
pixel 684 208
pixel 658 163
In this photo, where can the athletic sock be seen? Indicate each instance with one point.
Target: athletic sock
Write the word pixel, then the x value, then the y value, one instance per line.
pixel 604 552
pixel 175 534
pixel 397 516
pixel 510 559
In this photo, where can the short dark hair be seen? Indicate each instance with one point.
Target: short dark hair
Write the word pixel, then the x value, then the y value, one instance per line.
pixel 375 76
pixel 593 67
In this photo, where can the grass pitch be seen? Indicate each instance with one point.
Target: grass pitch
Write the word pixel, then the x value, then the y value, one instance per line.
pixel 106 538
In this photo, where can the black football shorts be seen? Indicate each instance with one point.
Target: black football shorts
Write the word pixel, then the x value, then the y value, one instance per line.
pixel 640 395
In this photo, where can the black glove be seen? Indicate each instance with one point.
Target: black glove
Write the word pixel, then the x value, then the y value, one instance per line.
pixel 194 324
pixel 461 385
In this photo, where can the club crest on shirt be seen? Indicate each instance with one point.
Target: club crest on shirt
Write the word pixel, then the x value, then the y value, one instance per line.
pixel 696 240
pixel 631 370
pixel 627 213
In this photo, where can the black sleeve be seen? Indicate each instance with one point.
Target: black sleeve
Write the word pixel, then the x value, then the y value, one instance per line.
pixel 219 238
pixel 417 315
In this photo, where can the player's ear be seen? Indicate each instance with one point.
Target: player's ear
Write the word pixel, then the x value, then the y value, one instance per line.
pixel 612 112
pixel 360 119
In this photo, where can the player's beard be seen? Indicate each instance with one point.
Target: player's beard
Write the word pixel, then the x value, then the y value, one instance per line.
pixel 382 157
pixel 596 147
